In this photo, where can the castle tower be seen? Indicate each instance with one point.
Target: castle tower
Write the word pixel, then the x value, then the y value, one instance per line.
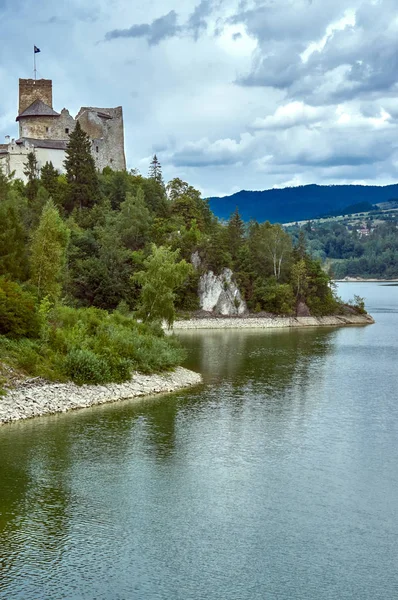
pixel 36 114
pixel 31 90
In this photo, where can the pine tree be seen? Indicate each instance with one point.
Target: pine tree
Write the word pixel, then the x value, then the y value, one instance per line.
pixel 31 171
pixel 49 180
pixel 155 170
pixel 235 233
pixel 81 175
pixel 48 253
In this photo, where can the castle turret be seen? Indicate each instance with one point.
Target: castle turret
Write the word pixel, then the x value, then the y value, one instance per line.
pixel 31 90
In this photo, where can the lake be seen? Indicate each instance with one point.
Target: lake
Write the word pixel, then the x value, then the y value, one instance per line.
pixel 276 479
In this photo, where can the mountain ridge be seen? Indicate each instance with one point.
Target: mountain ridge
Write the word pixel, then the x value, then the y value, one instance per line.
pixel 281 205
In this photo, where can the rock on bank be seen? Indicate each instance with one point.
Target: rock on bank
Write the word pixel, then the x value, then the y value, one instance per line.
pixel 273 322
pixel 33 398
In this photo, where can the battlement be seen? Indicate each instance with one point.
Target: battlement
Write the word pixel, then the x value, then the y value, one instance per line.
pixel 32 89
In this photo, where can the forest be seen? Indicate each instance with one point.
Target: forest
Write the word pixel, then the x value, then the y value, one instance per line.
pixel 347 252
pixel 92 263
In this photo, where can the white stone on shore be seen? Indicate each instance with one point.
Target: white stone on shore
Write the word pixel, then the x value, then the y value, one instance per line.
pixel 273 323
pixel 36 398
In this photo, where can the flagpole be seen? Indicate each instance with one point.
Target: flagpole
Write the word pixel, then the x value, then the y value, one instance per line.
pixel 34 62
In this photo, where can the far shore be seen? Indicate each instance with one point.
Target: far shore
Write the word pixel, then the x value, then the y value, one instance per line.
pixel 364 280
pixel 34 397
pixel 272 322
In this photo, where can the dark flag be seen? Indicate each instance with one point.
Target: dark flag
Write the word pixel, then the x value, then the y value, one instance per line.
pixel 36 49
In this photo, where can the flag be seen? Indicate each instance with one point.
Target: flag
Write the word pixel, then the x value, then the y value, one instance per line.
pixel 36 49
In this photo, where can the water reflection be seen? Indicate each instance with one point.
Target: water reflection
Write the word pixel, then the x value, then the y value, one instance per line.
pixel 240 488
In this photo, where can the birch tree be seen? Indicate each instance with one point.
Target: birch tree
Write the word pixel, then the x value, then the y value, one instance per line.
pixel 48 253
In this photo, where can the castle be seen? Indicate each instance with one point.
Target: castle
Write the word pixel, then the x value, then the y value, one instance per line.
pixel 45 132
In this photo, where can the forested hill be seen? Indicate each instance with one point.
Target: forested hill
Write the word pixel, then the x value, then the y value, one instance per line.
pixel 299 203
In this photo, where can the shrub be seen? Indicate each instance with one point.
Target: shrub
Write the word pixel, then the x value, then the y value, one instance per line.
pixel 18 314
pixel 83 366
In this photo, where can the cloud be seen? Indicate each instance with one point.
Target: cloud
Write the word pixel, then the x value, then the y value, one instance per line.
pixel 156 31
pixel 292 114
pixel 324 52
pixel 222 152
pixel 231 94
pixel 197 21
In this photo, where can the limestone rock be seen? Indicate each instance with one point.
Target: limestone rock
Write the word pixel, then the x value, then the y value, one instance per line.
pixel 220 294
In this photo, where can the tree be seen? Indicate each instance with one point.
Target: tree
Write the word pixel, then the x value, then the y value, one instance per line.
pixel 155 170
pixel 4 184
pixel 235 233
pixel 48 253
pixel 49 180
pixel 134 221
pixel 300 278
pixel 31 171
pixel 163 274
pixel 83 188
pixel 13 258
pixel 277 244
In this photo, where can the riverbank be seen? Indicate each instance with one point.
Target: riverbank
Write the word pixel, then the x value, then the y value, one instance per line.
pixel 34 398
pixel 364 280
pixel 272 322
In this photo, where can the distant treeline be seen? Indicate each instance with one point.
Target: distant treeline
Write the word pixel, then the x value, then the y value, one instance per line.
pixel 371 253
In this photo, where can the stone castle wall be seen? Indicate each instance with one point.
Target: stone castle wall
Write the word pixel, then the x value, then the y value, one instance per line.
pixel 105 128
pixel 31 90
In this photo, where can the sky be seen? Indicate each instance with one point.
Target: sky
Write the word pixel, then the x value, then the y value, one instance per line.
pixel 230 94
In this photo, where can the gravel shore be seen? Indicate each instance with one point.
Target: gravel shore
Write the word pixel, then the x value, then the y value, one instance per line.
pixel 33 398
pixel 272 322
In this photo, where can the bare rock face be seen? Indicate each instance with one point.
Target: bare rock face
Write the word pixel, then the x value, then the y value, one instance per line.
pixel 220 294
pixel 195 260
pixel 302 310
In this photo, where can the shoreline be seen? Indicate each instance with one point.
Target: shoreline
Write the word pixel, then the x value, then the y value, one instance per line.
pixel 364 280
pixel 272 323
pixel 32 398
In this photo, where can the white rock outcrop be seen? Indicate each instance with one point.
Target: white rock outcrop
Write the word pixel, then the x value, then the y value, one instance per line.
pixel 220 294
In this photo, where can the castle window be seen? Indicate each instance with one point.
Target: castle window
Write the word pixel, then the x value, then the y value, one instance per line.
pixel 66 129
pixel 96 148
pixel 46 129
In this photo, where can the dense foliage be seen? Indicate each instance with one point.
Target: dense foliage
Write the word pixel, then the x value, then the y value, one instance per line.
pixel 83 255
pixel 371 251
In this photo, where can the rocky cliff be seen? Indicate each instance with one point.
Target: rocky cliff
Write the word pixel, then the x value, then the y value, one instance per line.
pixel 220 294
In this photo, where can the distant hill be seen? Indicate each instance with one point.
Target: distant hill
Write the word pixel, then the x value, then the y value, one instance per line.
pixel 299 203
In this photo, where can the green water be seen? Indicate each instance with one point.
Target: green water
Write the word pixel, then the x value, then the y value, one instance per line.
pixel 276 479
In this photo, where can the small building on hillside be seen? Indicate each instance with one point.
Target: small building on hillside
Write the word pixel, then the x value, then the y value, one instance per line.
pixel 46 131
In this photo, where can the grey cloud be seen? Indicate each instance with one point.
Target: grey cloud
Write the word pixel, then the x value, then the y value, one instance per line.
pixel 160 29
pixel 197 21
pixel 236 36
pixel 360 60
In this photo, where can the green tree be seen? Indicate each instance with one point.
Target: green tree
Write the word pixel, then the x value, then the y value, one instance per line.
pixel 49 179
pixel 155 170
pixel 134 221
pixel 5 184
pixel 13 256
pixel 163 274
pixel 31 171
pixel 48 253
pixel 81 175
pixel 235 234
